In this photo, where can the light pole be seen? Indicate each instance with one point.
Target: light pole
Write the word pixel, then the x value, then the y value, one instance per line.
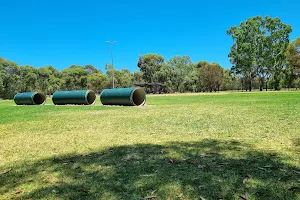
pixel 112 60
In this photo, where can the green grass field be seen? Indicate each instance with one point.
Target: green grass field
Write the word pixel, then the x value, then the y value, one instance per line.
pixel 206 146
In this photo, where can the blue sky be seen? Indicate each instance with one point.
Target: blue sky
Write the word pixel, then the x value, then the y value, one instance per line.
pixel 64 32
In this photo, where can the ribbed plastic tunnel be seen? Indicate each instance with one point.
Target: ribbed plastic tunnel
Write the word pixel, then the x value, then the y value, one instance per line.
pixel 30 98
pixel 123 96
pixel 77 97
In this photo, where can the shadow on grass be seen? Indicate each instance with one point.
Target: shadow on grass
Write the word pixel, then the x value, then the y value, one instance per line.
pixel 208 169
pixel 296 146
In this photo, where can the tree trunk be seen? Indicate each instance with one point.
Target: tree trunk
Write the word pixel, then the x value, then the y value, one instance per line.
pixel 266 85
pixel 261 84
pixel 250 86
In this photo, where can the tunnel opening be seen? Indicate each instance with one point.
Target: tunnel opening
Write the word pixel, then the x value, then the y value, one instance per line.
pixel 91 97
pixel 138 97
pixel 39 99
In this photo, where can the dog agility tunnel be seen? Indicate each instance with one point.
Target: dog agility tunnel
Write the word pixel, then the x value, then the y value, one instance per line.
pixel 30 98
pixel 123 96
pixel 78 97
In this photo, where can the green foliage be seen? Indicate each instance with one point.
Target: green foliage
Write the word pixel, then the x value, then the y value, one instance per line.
pixel 230 81
pixel 91 69
pixel 138 77
pixel 184 74
pixel 201 64
pixel 1 84
pixel 293 54
pixel 259 49
pixel 149 64
pixel 97 82
pixel 29 78
pixel 1 78
pixel 211 76
pixel 165 76
pixel 278 41
pixel 292 71
pixel 75 78
pixel 11 79
pixel 14 79
pixel 123 78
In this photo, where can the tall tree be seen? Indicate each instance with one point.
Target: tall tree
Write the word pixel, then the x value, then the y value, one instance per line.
pixel 29 78
pixel 75 78
pixel 138 77
pixel 211 76
pixel 230 81
pixel 292 68
pixel 293 58
pixel 97 82
pixel 277 43
pixel 184 72
pixel 242 52
pixel 11 79
pixel 258 48
pixel 293 54
pixel 56 81
pixel 166 75
pixel 201 63
pixel 43 79
pixel 149 64
pixel 289 76
pixel 123 78
pixel 91 69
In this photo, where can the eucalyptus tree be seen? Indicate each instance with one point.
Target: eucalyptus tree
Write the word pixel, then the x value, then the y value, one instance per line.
pixel 138 77
pixel 292 69
pixel 211 77
pixel 183 72
pixel 75 78
pixel 149 64
pixel 243 51
pixel 259 49
pixel 97 82
pixel 11 80
pixel 277 43
pixel 293 55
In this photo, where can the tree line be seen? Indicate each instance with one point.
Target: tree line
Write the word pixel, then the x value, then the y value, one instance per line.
pixel 261 56
pixel 262 50
pixel 15 78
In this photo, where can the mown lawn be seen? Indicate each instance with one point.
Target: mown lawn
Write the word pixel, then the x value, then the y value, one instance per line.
pixel 207 146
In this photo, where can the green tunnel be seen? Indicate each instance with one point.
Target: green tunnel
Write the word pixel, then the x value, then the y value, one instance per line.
pixel 77 97
pixel 123 96
pixel 30 98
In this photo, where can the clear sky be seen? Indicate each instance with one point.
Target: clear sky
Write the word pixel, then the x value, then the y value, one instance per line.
pixel 65 32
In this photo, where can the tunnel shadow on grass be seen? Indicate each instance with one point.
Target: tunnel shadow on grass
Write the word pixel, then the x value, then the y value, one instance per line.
pixel 209 169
